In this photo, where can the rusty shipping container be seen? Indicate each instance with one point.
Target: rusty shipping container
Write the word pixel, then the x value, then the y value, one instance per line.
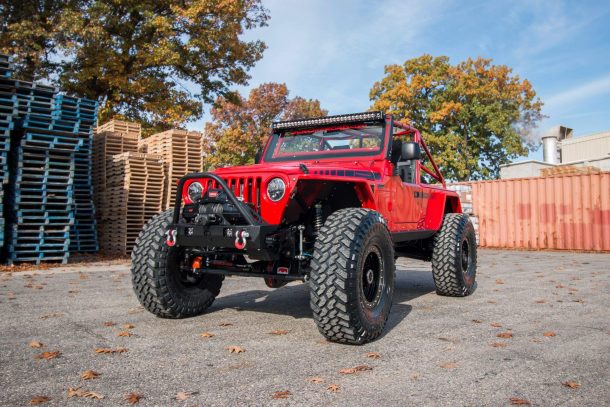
pixel 568 212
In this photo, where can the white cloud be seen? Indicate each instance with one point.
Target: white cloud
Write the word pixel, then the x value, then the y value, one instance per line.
pixel 582 91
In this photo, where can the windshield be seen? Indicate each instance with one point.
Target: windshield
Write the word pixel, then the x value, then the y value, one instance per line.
pixel 328 142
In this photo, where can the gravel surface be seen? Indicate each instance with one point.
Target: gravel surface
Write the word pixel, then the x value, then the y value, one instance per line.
pixel 537 324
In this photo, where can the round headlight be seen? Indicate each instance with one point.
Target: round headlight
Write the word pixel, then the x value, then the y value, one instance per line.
pixel 276 189
pixel 195 191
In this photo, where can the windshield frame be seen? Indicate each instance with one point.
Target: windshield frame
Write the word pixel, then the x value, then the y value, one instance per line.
pixel 268 155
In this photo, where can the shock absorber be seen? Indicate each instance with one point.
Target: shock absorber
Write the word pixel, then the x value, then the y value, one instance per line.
pixel 317 221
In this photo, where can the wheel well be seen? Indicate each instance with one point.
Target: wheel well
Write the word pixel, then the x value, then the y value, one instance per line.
pixel 331 195
pixel 452 205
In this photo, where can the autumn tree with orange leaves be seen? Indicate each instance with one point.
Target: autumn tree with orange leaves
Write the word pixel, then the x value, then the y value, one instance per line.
pixel 239 128
pixel 475 116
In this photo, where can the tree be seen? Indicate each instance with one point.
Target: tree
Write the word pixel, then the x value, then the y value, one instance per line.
pixel 239 128
pixel 137 57
pixel 475 116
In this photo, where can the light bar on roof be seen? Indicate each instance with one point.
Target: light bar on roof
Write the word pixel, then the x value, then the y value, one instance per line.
pixel 321 121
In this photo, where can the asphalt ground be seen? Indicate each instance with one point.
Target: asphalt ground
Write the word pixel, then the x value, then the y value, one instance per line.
pixel 536 330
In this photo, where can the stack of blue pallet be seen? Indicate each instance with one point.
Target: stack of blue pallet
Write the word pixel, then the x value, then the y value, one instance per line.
pixel 8 102
pixel 49 209
pixel 81 115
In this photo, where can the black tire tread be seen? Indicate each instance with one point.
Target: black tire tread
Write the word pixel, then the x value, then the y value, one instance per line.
pixel 335 311
pixel 445 256
pixel 149 274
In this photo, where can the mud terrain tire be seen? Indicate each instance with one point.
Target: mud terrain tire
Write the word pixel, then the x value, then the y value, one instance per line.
pixel 155 269
pixel 352 276
pixel 454 258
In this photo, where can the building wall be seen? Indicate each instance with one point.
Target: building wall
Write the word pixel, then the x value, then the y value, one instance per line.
pixel 523 169
pixel 569 212
pixel 585 148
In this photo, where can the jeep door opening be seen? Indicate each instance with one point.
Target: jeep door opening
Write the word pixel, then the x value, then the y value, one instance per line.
pixel 332 201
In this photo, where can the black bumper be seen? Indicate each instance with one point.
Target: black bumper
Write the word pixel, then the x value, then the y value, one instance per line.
pixel 259 241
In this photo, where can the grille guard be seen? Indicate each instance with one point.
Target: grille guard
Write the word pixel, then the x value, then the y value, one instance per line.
pixel 250 220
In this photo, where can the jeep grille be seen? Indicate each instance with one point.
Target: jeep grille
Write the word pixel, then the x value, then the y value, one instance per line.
pixel 246 188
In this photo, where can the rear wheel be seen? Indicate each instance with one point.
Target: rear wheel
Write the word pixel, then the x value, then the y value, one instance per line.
pixel 162 283
pixel 454 258
pixel 352 276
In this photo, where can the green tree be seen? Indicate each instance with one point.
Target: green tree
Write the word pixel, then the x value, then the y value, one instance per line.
pixel 139 58
pixel 475 116
pixel 240 127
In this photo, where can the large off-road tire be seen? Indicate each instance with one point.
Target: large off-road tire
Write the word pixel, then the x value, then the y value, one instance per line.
pixel 352 276
pixel 454 258
pixel 157 279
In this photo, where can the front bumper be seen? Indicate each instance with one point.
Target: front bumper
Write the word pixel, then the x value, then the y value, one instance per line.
pixel 255 238
pixel 259 243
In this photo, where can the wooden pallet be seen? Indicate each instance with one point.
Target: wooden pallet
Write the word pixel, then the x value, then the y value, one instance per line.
pixel 134 183
pixel 182 153
pixel 119 126
pixel 106 144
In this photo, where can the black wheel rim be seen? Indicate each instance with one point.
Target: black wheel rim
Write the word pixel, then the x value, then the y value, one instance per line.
pixel 465 258
pixel 372 278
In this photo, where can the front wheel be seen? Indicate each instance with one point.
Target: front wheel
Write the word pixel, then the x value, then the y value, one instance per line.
pixel 454 258
pixel 352 276
pixel 159 278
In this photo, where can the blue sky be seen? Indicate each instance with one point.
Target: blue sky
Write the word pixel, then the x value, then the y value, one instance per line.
pixel 335 50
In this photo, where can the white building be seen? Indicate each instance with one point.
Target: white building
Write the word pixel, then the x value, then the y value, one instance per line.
pixel 561 149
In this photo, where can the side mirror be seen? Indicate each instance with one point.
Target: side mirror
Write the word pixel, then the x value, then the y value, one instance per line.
pixel 410 151
pixel 258 156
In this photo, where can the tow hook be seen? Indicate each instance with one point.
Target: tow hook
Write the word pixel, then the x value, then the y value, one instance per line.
pixel 170 239
pixel 240 239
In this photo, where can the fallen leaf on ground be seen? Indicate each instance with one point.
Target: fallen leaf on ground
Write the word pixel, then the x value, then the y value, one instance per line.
pixel 110 350
pixel 206 335
pixel 316 380
pixel 414 376
pixel 77 392
pixel 133 398
pixel 491 302
pixel 83 276
pixel 571 384
pixel 183 395
pixel 496 325
pixel 540 301
pixel 505 335
pixel 449 365
pixel 125 334
pixel 333 388
pixel 89 375
pixel 549 334
pixel 49 355
pixel 40 400
pixel 235 349
pixel 499 281
pixel 278 332
pixel 281 394
pixel 373 355
pixel 352 370
pixel 109 323
pixel 225 324
pixel 128 326
pixel 477 321
pixel 53 315
pixel 498 345
pixel 516 401
pixel 35 344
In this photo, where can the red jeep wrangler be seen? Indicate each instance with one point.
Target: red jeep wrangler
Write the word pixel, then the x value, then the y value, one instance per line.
pixel 332 201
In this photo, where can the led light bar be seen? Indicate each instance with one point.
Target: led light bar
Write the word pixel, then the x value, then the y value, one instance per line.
pixel 321 121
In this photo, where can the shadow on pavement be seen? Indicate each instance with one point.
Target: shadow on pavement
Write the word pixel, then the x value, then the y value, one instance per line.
pixel 293 300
